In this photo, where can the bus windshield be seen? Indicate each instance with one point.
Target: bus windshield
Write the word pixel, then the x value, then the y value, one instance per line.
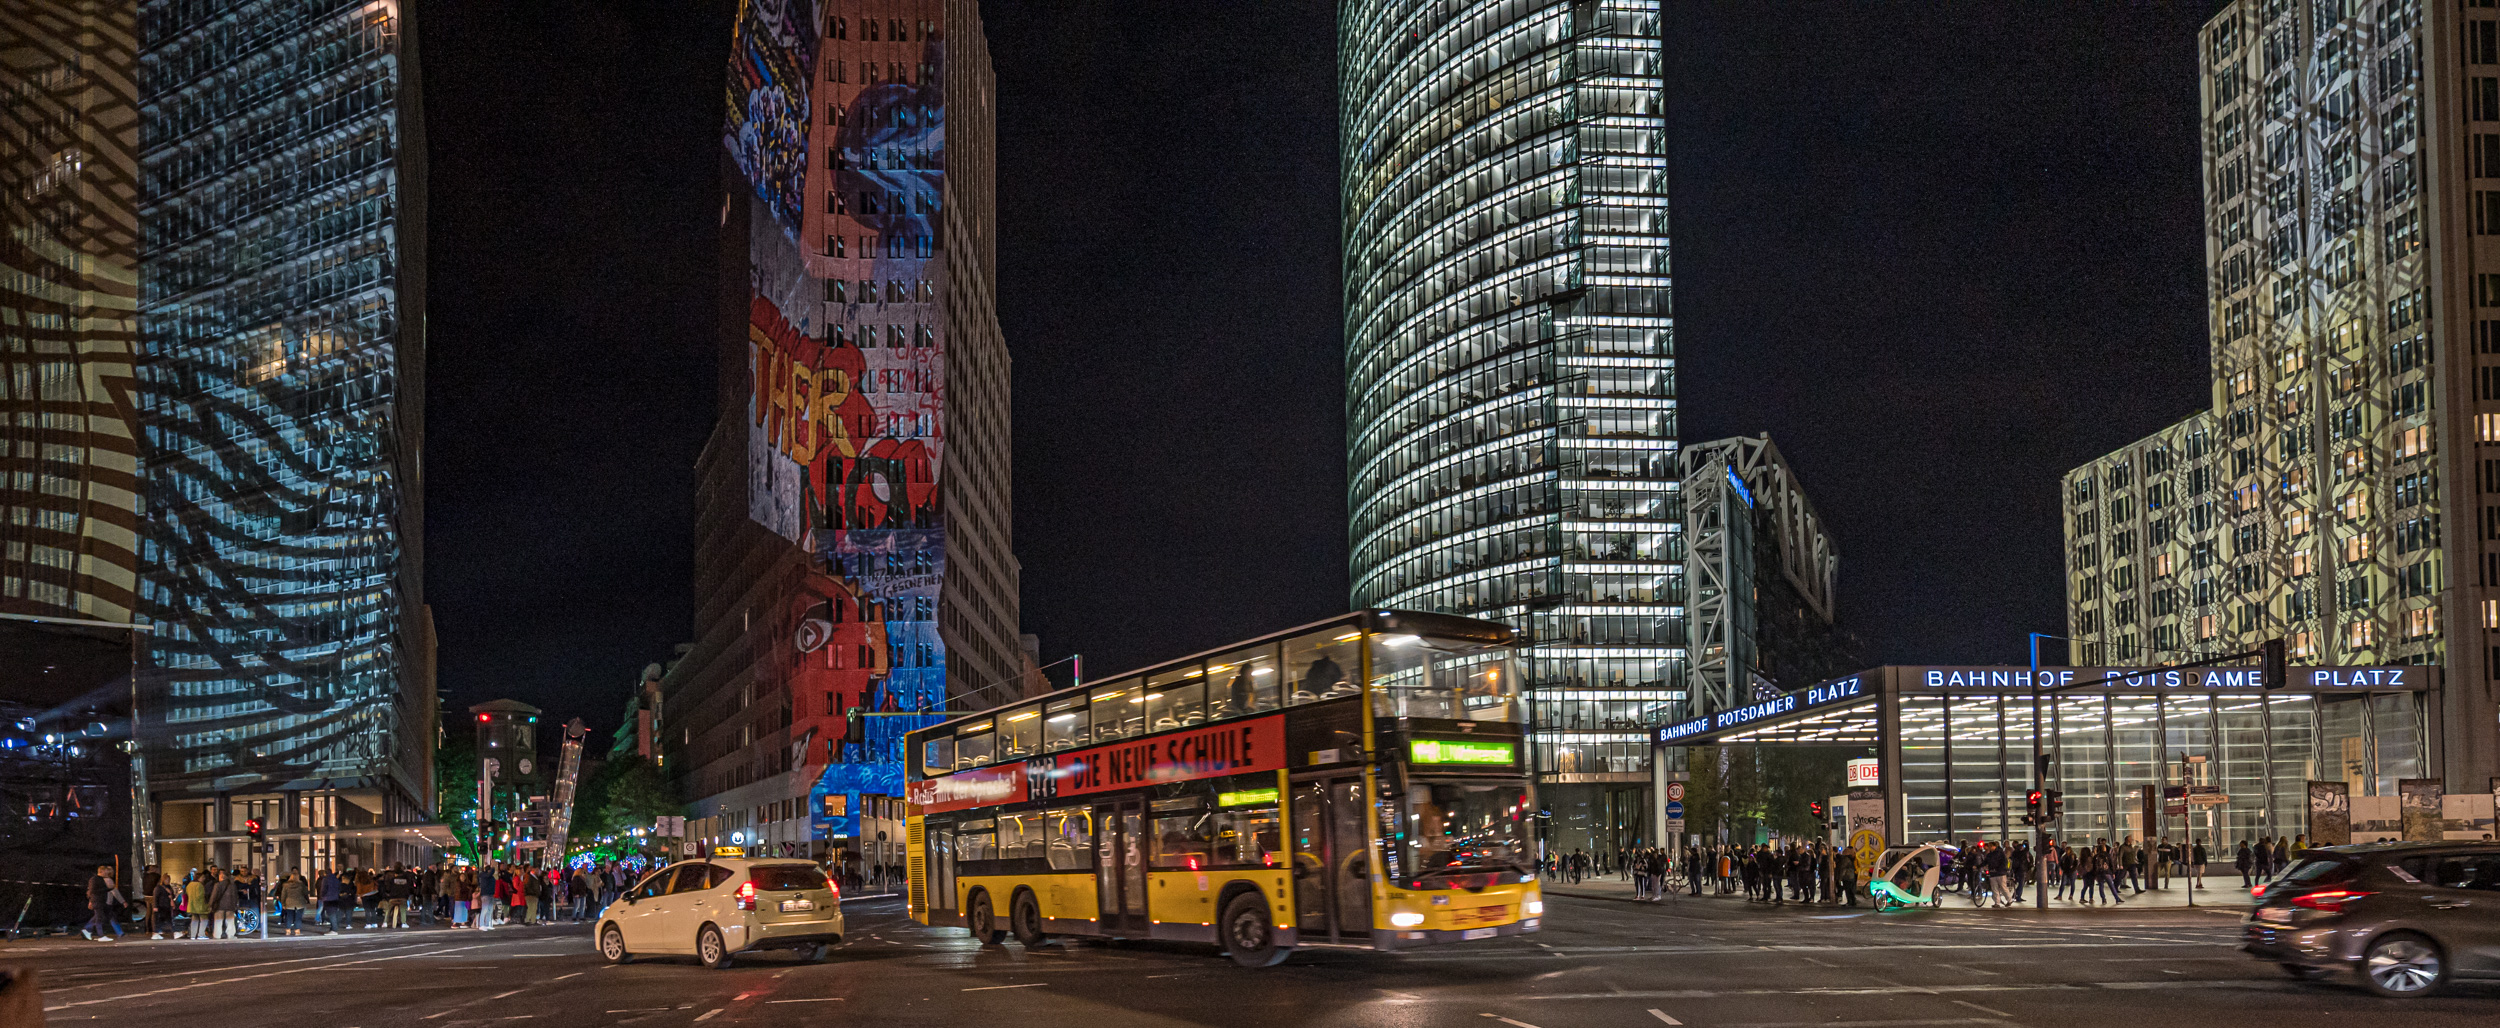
pixel 1468 827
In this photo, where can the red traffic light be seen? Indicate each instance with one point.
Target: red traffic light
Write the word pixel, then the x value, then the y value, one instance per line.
pixel 1815 808
pixel 485 717
pixel 251 826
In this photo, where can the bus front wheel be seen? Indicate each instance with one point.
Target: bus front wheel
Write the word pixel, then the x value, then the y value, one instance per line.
pixel 1248 933
pixel 983 922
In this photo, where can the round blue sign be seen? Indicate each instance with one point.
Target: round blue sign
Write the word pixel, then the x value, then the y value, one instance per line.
pixel 1675 808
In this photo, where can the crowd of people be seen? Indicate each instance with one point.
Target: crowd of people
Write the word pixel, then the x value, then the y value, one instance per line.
pixel 2087 871
pixel 224 903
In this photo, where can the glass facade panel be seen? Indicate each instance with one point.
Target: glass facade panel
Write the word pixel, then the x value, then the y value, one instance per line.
pixel 1511 393
pixel 2082 768
pixel 1923 768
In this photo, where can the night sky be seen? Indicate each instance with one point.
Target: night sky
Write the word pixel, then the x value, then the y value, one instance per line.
pixel 1941 252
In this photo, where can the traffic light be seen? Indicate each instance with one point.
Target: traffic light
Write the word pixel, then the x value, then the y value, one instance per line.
pixel 2057 805
pixel 251 827
pixel 2271 672
pixel 1816 808
pixel 2035 804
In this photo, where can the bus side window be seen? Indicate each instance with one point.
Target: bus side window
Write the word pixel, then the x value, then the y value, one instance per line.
pixel 1182 841
pixel 1244 682
pixel 974 840
pixel 1071 839
pixel 937 756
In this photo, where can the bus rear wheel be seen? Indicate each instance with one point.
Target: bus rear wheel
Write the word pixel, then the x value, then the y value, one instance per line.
pixel 984 923
pixel 1025 918
pixel 1249 934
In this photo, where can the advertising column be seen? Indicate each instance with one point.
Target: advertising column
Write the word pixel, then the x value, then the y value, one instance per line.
pixel 1867 820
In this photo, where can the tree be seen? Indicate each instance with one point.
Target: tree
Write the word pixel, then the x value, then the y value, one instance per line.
pixel 455 789
pixel 622 795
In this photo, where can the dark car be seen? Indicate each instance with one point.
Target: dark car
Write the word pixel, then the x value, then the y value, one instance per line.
pixel 2404 918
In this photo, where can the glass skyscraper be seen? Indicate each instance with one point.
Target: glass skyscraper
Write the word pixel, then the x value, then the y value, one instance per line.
pixel 281 387
pixel 1510 362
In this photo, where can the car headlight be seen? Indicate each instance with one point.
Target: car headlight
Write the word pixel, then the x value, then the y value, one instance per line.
pixel 1406 919
pixel 1536 907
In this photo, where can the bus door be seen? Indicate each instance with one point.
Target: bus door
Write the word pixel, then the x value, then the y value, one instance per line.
pixel 1331 859
pixel 941 858
pixel 1120 865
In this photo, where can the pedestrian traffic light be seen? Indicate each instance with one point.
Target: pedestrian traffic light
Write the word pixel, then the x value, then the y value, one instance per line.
pixel 1815 807
pixel 2035 804
pixel 2057 804
pixel 251 827
pixel 2271 673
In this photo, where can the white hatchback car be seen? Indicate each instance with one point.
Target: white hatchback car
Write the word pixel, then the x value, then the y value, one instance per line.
pixel 718 908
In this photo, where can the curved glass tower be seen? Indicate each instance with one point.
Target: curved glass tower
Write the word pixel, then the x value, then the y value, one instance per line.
pixel 1510 361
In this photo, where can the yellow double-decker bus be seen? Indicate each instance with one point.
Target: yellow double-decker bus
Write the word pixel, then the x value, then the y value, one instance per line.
pixel 1361 781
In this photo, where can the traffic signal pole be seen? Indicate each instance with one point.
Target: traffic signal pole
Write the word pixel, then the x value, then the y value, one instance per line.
pixel 2040 781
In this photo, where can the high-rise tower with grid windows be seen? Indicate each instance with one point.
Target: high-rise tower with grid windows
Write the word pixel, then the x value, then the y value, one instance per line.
pixel 281 395
pixel 1510 361
pixel 2342 492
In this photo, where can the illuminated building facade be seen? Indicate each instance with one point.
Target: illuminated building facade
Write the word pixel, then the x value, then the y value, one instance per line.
pixel 280 393
pixel 69 250
pixel 1511 412
pixel 852 567
pixel 2342 491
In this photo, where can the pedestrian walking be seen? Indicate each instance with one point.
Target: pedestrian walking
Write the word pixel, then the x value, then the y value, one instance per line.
pixel 104 899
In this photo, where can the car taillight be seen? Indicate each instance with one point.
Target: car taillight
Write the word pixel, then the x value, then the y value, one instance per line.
pixel 746 895
pixel 833 886
pixel 2330 900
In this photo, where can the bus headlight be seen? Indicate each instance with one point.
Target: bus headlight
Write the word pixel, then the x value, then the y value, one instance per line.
pixel 1406 919
pixel 1536 908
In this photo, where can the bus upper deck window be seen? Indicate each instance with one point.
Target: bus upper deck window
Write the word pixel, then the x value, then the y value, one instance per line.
pixel 1064 725
pixel 975 745
pixel 1119 711
pixel 1244 682
pixel 1322 665
pixel 1020 733
pixel 1175 699
pixel 937 756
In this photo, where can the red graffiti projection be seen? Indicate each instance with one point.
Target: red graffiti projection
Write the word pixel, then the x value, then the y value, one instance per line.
pixel 808 406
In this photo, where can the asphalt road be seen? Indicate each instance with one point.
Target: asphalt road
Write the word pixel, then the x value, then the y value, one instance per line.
pixel 1706 963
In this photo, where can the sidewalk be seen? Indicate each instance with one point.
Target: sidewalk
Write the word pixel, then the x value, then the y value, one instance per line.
pixel 2216 895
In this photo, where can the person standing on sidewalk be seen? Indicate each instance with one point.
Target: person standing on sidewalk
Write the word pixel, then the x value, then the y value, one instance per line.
pixel 195 903
pixel 295 895
pixel 225 901
pixel 161 898
pixel 2196 866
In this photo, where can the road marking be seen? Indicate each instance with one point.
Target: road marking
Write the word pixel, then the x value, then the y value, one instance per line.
pixel 740 996
pixel 1662 1015
pixel 502 995
pixel 636 1010
pixel 987 988
pixel 1973 970
pixel 817 999
pixel 1981 1009
pixel 224 981
pixel 710 1014
pixel 562 977
pixel 1817 963
pixel 1511 1023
